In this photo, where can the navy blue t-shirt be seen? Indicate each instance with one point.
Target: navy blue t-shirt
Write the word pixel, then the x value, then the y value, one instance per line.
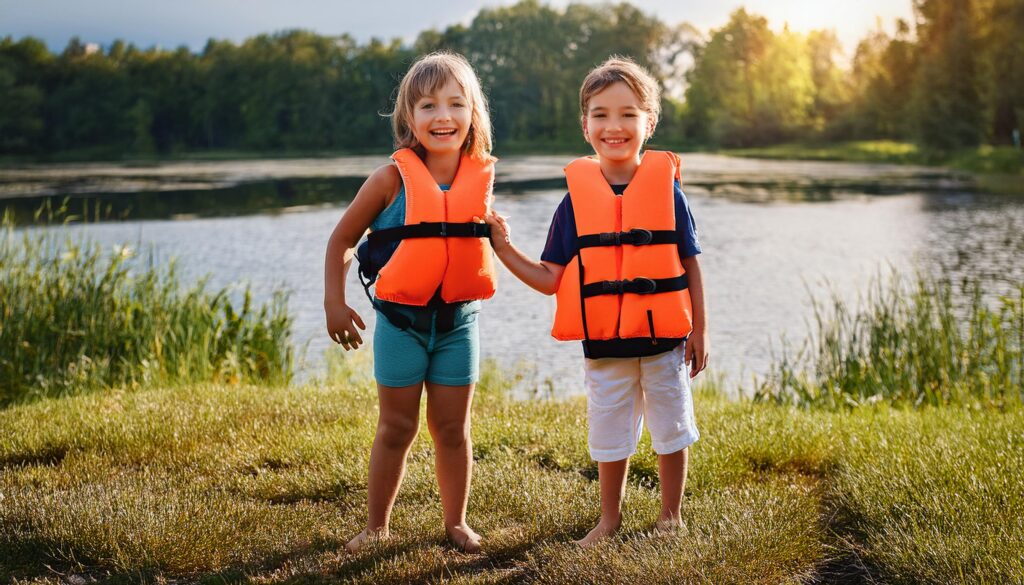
pixel 561 246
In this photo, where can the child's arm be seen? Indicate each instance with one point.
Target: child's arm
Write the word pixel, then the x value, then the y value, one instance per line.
pixel 371 199
pixel 541 276
pixel 697 345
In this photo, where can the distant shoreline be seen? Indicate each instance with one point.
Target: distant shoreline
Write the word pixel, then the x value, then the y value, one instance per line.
pixel 992 169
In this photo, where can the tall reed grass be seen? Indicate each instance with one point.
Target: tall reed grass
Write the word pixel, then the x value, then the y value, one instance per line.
pixel 920 341
pixel 76 317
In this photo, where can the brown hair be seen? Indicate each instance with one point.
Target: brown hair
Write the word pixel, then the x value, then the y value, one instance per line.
pixel 428 75
pixel 618 68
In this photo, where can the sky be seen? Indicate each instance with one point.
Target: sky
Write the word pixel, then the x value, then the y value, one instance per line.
pixel 168 23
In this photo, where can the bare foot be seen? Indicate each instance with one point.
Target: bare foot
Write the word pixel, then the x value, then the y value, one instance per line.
pixel 365 537
pixel 603 530
pixel 464 537
pixel 669 525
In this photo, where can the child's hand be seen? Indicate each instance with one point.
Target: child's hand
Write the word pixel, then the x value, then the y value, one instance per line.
pixel 697 352
pixel 500 231
pixel 342 321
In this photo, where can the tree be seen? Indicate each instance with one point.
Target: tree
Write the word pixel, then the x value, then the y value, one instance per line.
pixel 1004 58
pixel 884 70
pixel 750 86
pixel 831 86
pixel 947 101
pixel 23 66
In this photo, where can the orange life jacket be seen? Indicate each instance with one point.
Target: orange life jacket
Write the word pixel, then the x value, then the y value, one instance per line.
pixel 441 249
pixel 625 292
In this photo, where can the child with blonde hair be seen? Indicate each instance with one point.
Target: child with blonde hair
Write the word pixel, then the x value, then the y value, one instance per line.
pixel 621 258
pixel 431 265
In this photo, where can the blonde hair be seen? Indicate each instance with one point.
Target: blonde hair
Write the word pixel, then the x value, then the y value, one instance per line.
pixel 428 75
pixel 618 68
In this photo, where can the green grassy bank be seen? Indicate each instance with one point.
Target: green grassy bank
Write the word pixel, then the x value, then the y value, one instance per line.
pixel 995 168
pixel 76 317
pixel 214 483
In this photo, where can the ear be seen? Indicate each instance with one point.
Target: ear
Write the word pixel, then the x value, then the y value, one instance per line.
pixel 652 123
pixel 586 131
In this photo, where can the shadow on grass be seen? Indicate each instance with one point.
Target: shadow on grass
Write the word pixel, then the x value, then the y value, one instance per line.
pixel 49 456
pixel 848 566
pixel 503 564
pixel 37 559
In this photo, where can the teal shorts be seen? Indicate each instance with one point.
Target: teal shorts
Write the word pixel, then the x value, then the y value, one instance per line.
pixel 404 358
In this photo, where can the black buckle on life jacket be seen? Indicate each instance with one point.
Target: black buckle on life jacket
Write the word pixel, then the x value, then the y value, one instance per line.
pixel 444 229
pixel 640 286
pixel 640 237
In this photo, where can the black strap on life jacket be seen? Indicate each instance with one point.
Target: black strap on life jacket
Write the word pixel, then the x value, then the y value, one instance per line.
pixel 436 229
pixel 444 313
pixel 634 237
pixel 640 286
pixel 583 307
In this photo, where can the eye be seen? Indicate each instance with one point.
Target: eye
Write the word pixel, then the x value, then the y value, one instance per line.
pixel 427 106
pixel 598 116
pixel 458 105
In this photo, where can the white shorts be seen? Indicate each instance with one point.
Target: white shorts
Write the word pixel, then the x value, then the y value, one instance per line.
pixel 622 392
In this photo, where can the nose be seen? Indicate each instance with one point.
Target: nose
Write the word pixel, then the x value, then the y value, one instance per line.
pixel 444 113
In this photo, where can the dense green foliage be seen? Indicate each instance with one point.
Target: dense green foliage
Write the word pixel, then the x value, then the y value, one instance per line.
pixel 953 79
pixel 75 317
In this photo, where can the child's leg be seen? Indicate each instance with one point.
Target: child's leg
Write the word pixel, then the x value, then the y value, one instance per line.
pixel 668 404
pixel 397 425
pixel 614 419
pixel 448 409
pixel 672 476
pixel 612 477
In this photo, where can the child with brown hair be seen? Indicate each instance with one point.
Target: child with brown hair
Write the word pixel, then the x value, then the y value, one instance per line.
pixel 428 256
pixel 621 258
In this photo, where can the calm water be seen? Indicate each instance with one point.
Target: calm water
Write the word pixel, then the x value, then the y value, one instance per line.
pixel 774 235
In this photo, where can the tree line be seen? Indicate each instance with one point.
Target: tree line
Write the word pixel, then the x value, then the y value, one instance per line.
pixel 951 79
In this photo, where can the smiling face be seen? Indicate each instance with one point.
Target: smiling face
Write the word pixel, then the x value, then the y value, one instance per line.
pixel 615 125
pixel 440 121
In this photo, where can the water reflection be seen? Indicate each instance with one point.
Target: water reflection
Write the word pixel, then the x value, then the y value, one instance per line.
pixel 243 199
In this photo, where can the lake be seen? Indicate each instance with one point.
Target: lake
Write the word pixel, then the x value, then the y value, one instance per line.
pixel 775 235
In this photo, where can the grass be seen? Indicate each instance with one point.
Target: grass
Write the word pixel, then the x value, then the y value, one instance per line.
pixel 929 341
pixel 76 317
pixel 857 151
pixel 215 482
pixel 930 496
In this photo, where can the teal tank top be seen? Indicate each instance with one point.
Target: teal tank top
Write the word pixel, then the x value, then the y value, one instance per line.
pixel 394 214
